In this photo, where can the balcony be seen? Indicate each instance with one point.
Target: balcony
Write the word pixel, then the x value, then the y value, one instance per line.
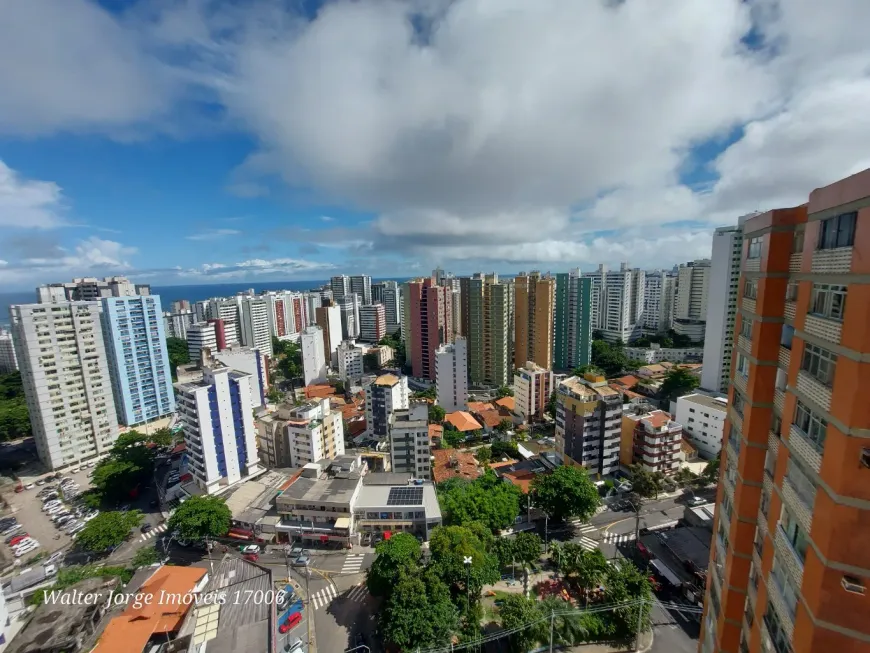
pixel 800 503
pixel 775 596
pixel 748 304
pixel 752 264
pixel 794 262
pixel 789 557
pixel 806 449
pixel 739 382
pixel 779 400
pixel 773 443
pixel 823 328
pixel 736 420
pixel 784 357
pixel 790 310
pixel 832 261
pixel 808 385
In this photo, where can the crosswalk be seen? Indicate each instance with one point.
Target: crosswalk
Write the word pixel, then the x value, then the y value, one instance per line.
pixel 154 532
pixel 618 538
pixel 352 563
pixel 357 594
pixel 587 542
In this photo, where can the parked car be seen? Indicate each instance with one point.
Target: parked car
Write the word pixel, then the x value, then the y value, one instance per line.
pixel 75 470
pixel 697 501
pixel 41 481
pixel 65 519
pixel 15 540
pixel 91 515
pixel 48 505
pixel 71 525
pixel 50 570
pixel 251 557
pixel 75 529
pixel 56 557
pixel 250 548
pixel 25 547
pixel 29 486
pixel 12 531
pixel 145 527
pixel 302 560
pixel 294 620
pixel 294 647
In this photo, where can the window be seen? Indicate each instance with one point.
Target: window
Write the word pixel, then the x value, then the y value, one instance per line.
pixel 754 248
pixel 743 366
pixel 797 243
pixel 801 481
pixel 750 288
pixel 794 533
pixel 838 231
pixel 746 328
pixel 780 641
pixel 828 301
pixel 791 292
pixel 787 336
pixel 738 403
pixel 820 363
pixel 811 425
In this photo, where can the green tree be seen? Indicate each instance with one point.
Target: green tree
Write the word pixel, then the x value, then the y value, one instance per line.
pixel 645 482
pixel 178 353
pixel 450 547
pixel 487 499
pixel 201 517
pixel 451 438
pixel 483 455
pixel 108 529
pixel 371 362
pixel 626 583
pixel 504 426
pixel 436 414
pixel 566 492
pixel 419 614
pixel 504 550
pixel 684 476
pixel 678 382
pixel 500 448
pixel 586 369
pixel 527 548
pixel 504 391
pixel 710 473
pixel 428 393
pixel 551 404
pixel 395 557
pixel 162 437
pixel 275 396
pixel 14 416
pixel 145 557
pixel 516 611
pixel 399 355
pixel 610 359
pixel 585 569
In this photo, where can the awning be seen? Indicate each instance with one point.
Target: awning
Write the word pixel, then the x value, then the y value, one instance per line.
pixel 342 522
pixel 666 573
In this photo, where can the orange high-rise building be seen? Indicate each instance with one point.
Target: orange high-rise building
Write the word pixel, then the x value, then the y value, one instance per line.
pixel 790 561
pixel 534 306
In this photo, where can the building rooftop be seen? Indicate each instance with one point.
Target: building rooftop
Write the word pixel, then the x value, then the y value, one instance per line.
pixel 166 588
pixel 250 500
pixel 387 478
pixel 627 381
pixel 378 496
pixel 452 463
pixel 508 403
pixel 319 391
pixel 463 421
pixel 490 417
pixel 318 490
pixel 388 380
pixel 657 419
pixel 436 431
pixel 475 406
pixel 707 401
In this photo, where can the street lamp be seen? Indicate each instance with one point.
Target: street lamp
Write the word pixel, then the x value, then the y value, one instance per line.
pixel 467 562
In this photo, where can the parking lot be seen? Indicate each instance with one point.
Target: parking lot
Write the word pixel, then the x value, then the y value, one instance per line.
pixel 27 508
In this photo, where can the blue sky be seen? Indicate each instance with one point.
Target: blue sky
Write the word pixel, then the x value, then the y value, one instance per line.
pixel 196 141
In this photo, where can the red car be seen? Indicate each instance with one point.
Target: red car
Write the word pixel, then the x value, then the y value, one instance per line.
pixel 294 619
pixel 252 557
pixel 17 539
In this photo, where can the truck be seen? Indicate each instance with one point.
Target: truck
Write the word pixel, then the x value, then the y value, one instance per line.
pixel 29 578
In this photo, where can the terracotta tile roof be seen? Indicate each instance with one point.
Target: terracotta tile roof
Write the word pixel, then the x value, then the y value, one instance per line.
pixel 349 411
pixel 387 380
pixel 626 393
pixel 319 391
pixel 503 463
pixel 451 463
pixel 436 431
pixel 508 403
pixel 490 418
pixel 522 479
pixel 355 427
pixel 165 613
pixel 463 421
pixel 626 381
pixel 657 418
pixel 477 406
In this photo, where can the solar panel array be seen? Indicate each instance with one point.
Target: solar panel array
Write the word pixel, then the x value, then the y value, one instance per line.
pixel 405 496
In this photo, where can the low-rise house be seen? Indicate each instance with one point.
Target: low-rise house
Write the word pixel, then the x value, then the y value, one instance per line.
pixel 463 422
pixel 452 463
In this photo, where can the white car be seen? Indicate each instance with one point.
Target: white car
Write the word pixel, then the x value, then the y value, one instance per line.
pixel 26 546
pixel 55 557
pixel 56 517
pixel 74 470
pixel 50 570
pixel 77 528
pixel 251 548
pixel 71 525
pixel 21 543
pixel 91 515
pixel 29 486
pixel 48 505
pixel 65 519
pixel 56 510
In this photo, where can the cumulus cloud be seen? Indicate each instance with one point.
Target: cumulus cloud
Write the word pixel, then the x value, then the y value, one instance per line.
pixel 91 256
pixel 213 234
pixel 29 202
pixel 256 267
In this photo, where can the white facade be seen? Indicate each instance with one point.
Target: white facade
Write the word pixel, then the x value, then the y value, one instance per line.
pixel 690 300
pixel 228 311
pixel 656 354
pixel 313 356
pixel 703 420
pixel 349 307
pixel 90 289
pixel 350 361
pixel 8 360
pixel 373 324
pixel 64 367
pixel 314 432
pixel 201 335
pixel 533 386
pixel 384 395
pixel 722 310
pixel 617 302
pixel 451 375
pixel 176 324
pixel 313 301
pixel 410 448
pixel 256 331
pixel 392 300
pixel 217 419
pixel 328 318
pixel 248 361
pixel 658 302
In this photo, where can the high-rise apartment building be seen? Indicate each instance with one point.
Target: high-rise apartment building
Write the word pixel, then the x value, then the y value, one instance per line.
pixel 618 302
pixel 138 358
pixel 8 360
pixel 361 286
pixel 256 331
pixel 789 566
pixel 312 301
pixel 430 318
pixel 390 296
pixel 722 307
pixel 313 355
pixel 350 361
pixel 349 306
pixel 315 431
pixel 226 310
pixel 534 311
pixel 372 323
pixel 202 335
pixel 572 329
pixel 249 361
pixel 653 440
pixel 64 368
pixel 703 420
pixel 533 386
pixel 217 420
pixel 588 422
pixel 658 302
pixel 410 448
pixel 489 329
pixel 464 297
pixel 86 289
pixel 328 318
pixel 384 395
pixel 451 375
pixel 340 287
pixel 690 299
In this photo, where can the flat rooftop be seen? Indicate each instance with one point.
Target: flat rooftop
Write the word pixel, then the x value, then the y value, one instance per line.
pixel 706 401
pixel 377 496
pixel 316 490
pixel 387 380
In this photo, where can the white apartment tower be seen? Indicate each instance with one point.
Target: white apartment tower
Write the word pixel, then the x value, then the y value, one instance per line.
pixel 350 361
pixel 617 302
pixel 361 285
pixel 256 331
pixel 328 318
pixel 410 448
pixel 217 419
pixel 533 386
pixel 392 300
pixel 349 306
pixel 658 302
pixel 451 375
pixel 65 372
pixel 8 361
pixel 201 335
pixel 313 355
pixel 228 311
pixel 690 301
pixel 722 307
pixel 384 395
pixel 314 432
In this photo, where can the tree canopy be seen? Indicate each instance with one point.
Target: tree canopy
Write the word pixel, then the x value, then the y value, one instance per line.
pixel 711 470
pixel 288 359
pixel 398 347
pixel 436 414
pixel 14 416
pixel 516 611
pixel 178 354
pixel 129 465
pixel 609 358
pixel 678 382
pixel 450 546
pixel 395 557
pixel 201 517
pixel 146 556
pixel 487 499
pixel 645 482
pixel 502 448
pixel 108 529
pixel 527 548
pixel 419 613
pixel 504 391
pixel 566 492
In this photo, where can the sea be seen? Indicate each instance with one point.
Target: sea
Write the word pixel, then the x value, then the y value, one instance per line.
pixel 192 293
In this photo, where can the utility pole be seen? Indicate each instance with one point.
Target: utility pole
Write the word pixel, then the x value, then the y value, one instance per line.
pixel 308 597
pixel 552 622
pixel 467 562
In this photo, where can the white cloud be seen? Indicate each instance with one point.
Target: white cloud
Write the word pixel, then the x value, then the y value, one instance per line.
pixel 90 257
pixel 256 267
pixel 326 218
pixel 28 202
pixel 213 234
